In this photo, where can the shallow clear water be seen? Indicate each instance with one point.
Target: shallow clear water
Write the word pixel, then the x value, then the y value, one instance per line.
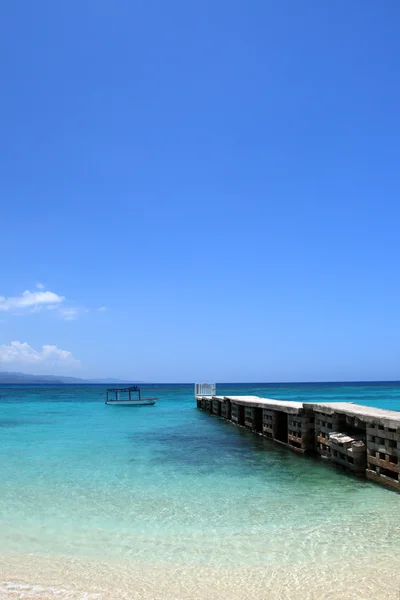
pixel 170 484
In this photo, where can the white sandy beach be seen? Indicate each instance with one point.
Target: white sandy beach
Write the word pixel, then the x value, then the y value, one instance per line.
pixel 46 578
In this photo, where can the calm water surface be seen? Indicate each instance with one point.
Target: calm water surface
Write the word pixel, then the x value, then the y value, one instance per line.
pixel 168 483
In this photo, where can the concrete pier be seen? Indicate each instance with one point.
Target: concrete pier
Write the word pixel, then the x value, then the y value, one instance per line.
pixel 361 439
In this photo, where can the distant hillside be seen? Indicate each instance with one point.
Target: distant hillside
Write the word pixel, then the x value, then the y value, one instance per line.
pixel 7 377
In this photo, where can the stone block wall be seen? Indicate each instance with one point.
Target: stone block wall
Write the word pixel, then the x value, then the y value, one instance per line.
pixel 237 413
pixel 249 416
pixel 324 425
pixel 253 418
pixel 216 407
pixel 268 423
pixel 348 452
pixel 383 449
pixel 226 409
pixel 301 432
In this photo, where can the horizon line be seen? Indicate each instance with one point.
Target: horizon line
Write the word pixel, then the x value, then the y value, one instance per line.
pixel 306 382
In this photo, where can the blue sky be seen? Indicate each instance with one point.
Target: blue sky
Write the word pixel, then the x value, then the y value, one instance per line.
pixel 200 190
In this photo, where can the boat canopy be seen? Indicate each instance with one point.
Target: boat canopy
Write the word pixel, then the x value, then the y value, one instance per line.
pixel 125 390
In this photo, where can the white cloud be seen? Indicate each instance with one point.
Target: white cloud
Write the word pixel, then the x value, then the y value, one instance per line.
pixel 31 301
pixel 71 313
pixel 23 354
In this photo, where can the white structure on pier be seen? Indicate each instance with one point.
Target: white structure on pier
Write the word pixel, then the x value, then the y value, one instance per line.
pixel 205 389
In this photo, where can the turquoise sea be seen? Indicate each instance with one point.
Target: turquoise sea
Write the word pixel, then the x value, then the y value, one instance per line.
pixel 175 490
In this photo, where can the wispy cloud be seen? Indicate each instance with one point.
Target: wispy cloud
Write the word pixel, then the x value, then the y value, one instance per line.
pixel 31 301
pixel 22 353
pixel 40 286
pixel 71 313
pixel 102 308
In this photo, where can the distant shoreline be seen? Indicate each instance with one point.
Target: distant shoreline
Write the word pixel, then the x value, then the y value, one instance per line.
pixel 111 382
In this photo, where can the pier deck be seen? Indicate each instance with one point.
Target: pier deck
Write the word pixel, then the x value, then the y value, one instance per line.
pixel 362 439
pixel 390 418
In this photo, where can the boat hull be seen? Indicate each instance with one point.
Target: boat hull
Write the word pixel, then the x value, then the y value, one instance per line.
pixel 141 402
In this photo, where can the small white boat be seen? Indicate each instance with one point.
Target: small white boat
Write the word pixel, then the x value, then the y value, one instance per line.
pixel 129 396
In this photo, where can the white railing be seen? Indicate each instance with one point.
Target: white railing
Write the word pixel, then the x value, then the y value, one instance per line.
pixel 205 389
